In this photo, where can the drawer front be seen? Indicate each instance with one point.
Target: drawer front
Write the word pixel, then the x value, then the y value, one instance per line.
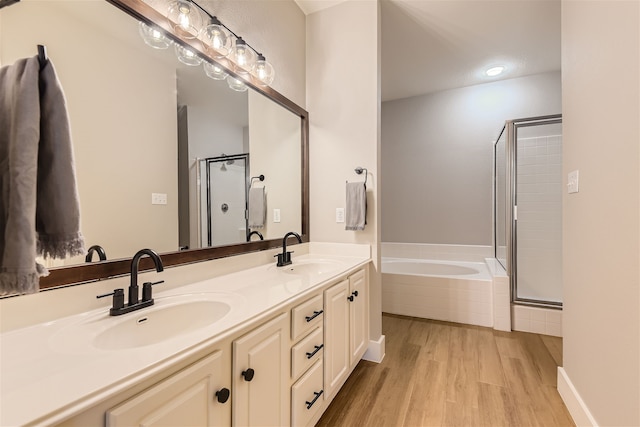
pixel 307 396
pixel 306 316
pixel 306 352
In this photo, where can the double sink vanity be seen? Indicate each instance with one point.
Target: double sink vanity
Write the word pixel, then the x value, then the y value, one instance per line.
pixel 235 341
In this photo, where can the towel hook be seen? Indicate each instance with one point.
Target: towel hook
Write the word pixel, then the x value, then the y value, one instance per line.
pixel 42 56
pixel 359 171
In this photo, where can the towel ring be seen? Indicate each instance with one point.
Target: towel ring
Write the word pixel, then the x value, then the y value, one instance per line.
pixel 260 177
pixel 359 171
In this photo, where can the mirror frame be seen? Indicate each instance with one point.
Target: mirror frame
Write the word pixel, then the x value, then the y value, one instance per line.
pixel 89 272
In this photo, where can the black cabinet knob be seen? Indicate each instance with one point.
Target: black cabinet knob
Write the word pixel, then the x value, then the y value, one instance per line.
pixel 354 293
pixel 223 395
pixel 350 298
pixel 248 374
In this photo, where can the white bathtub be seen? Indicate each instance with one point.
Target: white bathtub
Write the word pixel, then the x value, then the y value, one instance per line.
pixel 454 291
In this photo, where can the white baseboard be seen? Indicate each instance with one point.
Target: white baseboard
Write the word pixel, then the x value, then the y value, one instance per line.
pixel 376 350
pixel 576 406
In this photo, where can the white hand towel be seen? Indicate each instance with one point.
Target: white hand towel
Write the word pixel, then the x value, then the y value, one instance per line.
pixel 356 212
pixel 257 207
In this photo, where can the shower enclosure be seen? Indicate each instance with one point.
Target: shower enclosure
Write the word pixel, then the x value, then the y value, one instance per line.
pixel 528 208
pixel 222 190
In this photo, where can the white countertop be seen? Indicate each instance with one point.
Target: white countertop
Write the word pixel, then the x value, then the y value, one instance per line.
pixel 48 373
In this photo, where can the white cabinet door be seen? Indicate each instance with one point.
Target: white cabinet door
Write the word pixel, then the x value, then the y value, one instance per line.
pixel 261 364
pixel 187 398
pixel 336 338
pixel 359 316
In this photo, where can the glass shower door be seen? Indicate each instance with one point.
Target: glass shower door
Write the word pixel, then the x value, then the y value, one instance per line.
pixel 538 213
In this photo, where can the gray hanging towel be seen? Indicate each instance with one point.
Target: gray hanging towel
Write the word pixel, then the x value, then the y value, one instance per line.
pixel 39 206
pixel 356 212
pixel 257 207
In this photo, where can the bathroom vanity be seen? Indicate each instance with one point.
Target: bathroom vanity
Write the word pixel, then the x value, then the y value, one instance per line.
pixel 264 345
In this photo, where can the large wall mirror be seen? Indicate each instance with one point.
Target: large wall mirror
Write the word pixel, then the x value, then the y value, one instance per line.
pixel 166 157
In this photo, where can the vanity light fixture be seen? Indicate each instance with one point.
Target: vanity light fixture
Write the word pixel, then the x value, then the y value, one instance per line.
pixel 494 71
pixel 153 37
pixel 189 21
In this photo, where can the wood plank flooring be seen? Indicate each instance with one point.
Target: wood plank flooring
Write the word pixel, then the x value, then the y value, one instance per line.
pixel 448 374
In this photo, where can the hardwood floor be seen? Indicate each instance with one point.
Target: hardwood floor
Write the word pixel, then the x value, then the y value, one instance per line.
pixel 448 374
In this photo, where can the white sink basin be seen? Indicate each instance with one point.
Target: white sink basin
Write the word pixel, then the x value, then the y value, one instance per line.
pixel 310 267
pixel 151 326
pixel 169 318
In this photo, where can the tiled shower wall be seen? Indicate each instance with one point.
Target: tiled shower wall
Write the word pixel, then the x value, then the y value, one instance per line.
pixel 539 218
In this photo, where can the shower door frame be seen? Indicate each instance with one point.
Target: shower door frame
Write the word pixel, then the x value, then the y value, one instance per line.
pixel 208 162
pixel 511 129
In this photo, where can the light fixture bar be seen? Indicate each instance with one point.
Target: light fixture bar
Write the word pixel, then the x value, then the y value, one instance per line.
pixel 217 21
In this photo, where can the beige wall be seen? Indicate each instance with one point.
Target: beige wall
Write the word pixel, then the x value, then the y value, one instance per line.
pixel 276 153
pixel 437 155
pixel 124 151
pixel 344 107
pixel 600 98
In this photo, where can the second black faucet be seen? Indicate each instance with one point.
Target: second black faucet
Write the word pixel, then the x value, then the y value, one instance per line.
pixel 285 257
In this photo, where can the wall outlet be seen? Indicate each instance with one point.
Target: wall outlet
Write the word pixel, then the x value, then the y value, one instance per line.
pixel 276 215
pixel 339 214
pixel 572 182
pixel 158 198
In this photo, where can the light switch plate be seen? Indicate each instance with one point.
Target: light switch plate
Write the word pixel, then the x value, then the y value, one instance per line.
pixel 158 198
pixel 572 182
pixel 339 214
pixel 276 215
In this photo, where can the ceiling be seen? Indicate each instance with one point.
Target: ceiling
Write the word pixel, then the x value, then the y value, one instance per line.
pixel 434 45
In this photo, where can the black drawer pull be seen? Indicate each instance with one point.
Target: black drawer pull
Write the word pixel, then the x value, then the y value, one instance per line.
pixel 350 298
pixel 354 293
pixel 315 314
pixel 318 394
pixel 317 348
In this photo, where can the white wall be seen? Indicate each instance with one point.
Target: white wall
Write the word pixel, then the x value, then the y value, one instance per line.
pixel 601 224
pixel 437 157
pixel 343 100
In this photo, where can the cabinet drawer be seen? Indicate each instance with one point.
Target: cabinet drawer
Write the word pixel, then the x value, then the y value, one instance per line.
pixel 306 352
pixel 307 396
pixel 306 316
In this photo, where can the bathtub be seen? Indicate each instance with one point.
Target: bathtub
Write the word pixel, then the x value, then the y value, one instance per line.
pixel 454 291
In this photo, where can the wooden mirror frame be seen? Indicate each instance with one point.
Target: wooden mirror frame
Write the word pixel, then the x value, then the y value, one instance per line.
pixel 78 274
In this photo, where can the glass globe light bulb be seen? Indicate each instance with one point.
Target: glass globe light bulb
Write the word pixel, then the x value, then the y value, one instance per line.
pixel 214 71
pixel 187 56
pixel 153 37
pixel 236 84
pixel 263 71
pixel 242 56
pixel 185 19
pixel 217 40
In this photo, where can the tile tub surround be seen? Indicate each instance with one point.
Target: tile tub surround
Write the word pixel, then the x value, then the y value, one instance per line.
pixel 545 321
pixel 468 253
pixel 482 299
pixel 33 371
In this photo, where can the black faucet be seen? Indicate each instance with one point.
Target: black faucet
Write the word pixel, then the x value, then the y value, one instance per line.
pixel 135 303
pixel 102 255
pixel 285 257
pixel 256 233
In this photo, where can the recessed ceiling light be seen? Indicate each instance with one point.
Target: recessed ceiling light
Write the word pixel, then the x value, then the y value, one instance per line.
pixel 494 71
